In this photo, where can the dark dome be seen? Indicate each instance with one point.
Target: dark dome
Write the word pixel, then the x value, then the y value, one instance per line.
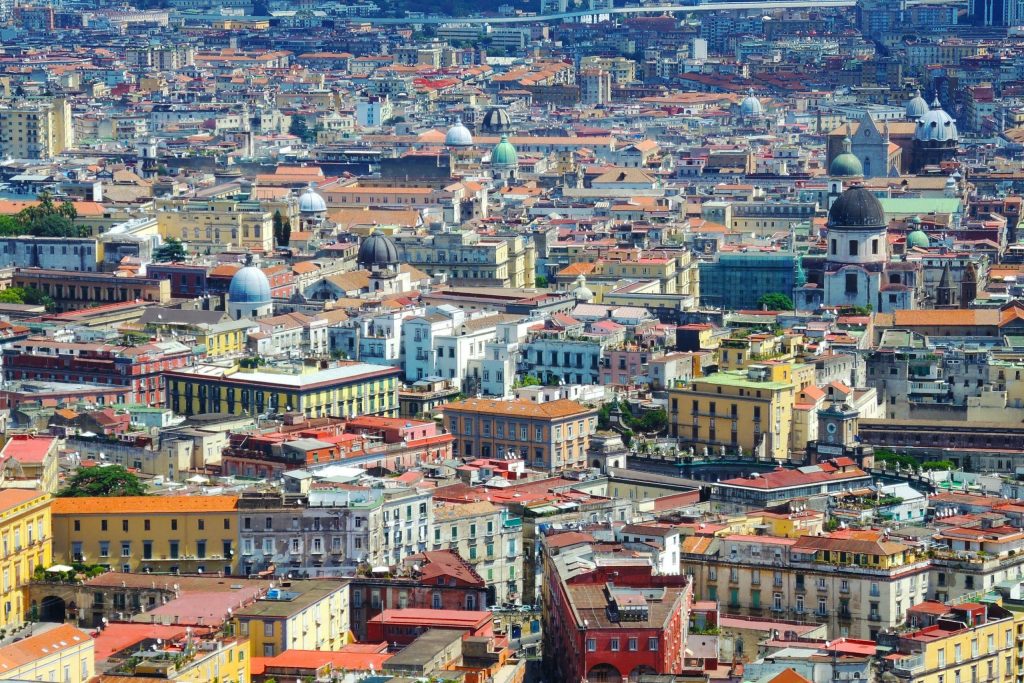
pixel 856 208
pixel 377 250
pixel 497 120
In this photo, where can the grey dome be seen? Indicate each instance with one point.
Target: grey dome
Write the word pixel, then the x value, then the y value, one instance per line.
pixel 497 120
pixel 249 286
pixel 377 250
pixel 311 202
pixel 916 107
pixel 458 136
pixel 936 126
pixel 751 106
pixel 856 209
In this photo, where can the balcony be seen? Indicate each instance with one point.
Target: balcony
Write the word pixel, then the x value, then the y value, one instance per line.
pixel 874 616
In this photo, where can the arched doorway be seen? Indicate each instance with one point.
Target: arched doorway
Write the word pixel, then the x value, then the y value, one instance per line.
pixel 597 464
pixel 52 608
pixel 639 671
pixel 604 673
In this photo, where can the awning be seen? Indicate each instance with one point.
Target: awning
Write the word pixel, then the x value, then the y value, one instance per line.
pixel 60 569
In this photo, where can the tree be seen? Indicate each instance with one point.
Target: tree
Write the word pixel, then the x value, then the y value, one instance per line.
pixel 540 281
pixel 37 297
pixel 528 381
pixel 278 223
pixel 776 301
pixel 286 232
pixel 12 295
pixel 171 250
pixel 109 481
pixel 10 226
pixel 298 127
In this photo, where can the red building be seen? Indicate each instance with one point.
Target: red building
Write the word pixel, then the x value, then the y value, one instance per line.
pixel 434 580
pixel 136 369
pixel 612 622
pixel 402 626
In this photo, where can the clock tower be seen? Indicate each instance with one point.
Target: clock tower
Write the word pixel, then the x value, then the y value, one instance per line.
pixel 838 426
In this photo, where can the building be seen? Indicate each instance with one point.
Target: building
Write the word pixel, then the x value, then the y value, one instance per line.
pixel 966 641
pixel 749 409
pixel 139 370
pixel 552 436
pixel 249 294
pixel 760 490
pixel 72 290
pixel 37 130
pixel 54 253
pixel 470 259
pixel 489 539
pixel 995 12
pixel 298 615
pixel 736 281
pixel 858 582
pixel 342 390
pixel 54 652
pixel 160 534
pixel 25 530
pixel 612 621
pixel 595 87
pixel 216 225
pixel 30 462
pixel 402 626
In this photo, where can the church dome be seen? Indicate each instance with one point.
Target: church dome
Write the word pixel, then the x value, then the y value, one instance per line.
pixel 497 120
pixel 846 164
pixel 458 136
pixel 856 208
pixel 936 126
pixel 916 107
pixel 249 286
pixel 504 153
pixel 311 202
pixel 751 106
pixel 581 292
pixel 377 250
pixel 918 238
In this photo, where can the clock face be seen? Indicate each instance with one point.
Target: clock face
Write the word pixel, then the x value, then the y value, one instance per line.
pixel 831 427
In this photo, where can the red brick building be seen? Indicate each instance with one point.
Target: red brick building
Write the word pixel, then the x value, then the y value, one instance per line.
pixel 612 622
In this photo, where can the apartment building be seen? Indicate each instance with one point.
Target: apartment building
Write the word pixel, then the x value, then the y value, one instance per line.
pixel 345 389
pixel 25 530
pixel 72 290
pixel 489 539
pixel 553 436
pixel 36 130
pixel 161 534
pixel 57 253
pixel 216 225
pixel 859 582
pixel 750 409
pixel 468 258
pixel 297 615
pixel 963 642
pixel 54 652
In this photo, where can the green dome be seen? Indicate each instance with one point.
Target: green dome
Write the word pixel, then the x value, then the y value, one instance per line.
pixel 918 238
pixel 504 154
pixel 846 165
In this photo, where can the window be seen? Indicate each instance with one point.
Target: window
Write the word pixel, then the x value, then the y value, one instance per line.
pixel 145 524
pixel 124 525
pixel 632 645
pixel 614 645
pixel 103 525
pixel 853 247
pixel 104 548
pixel 652 644
pixel 591 645
pixel 126 549
pixel 268 629
pixel 851 283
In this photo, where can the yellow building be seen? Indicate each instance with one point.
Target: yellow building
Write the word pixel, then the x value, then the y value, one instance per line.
pixel 36 131
pixel 964 643
pixel 216 225
pixel 224 339
pixel 344 390
pixel 27 544
pixel 30 462
pixel 225 660
pixel 750 409
pixel 61 653
pixel 300 615
pixel 190 534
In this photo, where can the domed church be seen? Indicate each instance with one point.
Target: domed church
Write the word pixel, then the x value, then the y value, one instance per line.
pixel 249 294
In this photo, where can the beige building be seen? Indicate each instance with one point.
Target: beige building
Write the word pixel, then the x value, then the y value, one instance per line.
pixel 554 435
pixel 37 130
pixel 858 582
pixel 211 226
pixel 489 539
pixel 468 258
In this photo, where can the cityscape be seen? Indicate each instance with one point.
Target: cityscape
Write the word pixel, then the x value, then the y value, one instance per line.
pixel 529 341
